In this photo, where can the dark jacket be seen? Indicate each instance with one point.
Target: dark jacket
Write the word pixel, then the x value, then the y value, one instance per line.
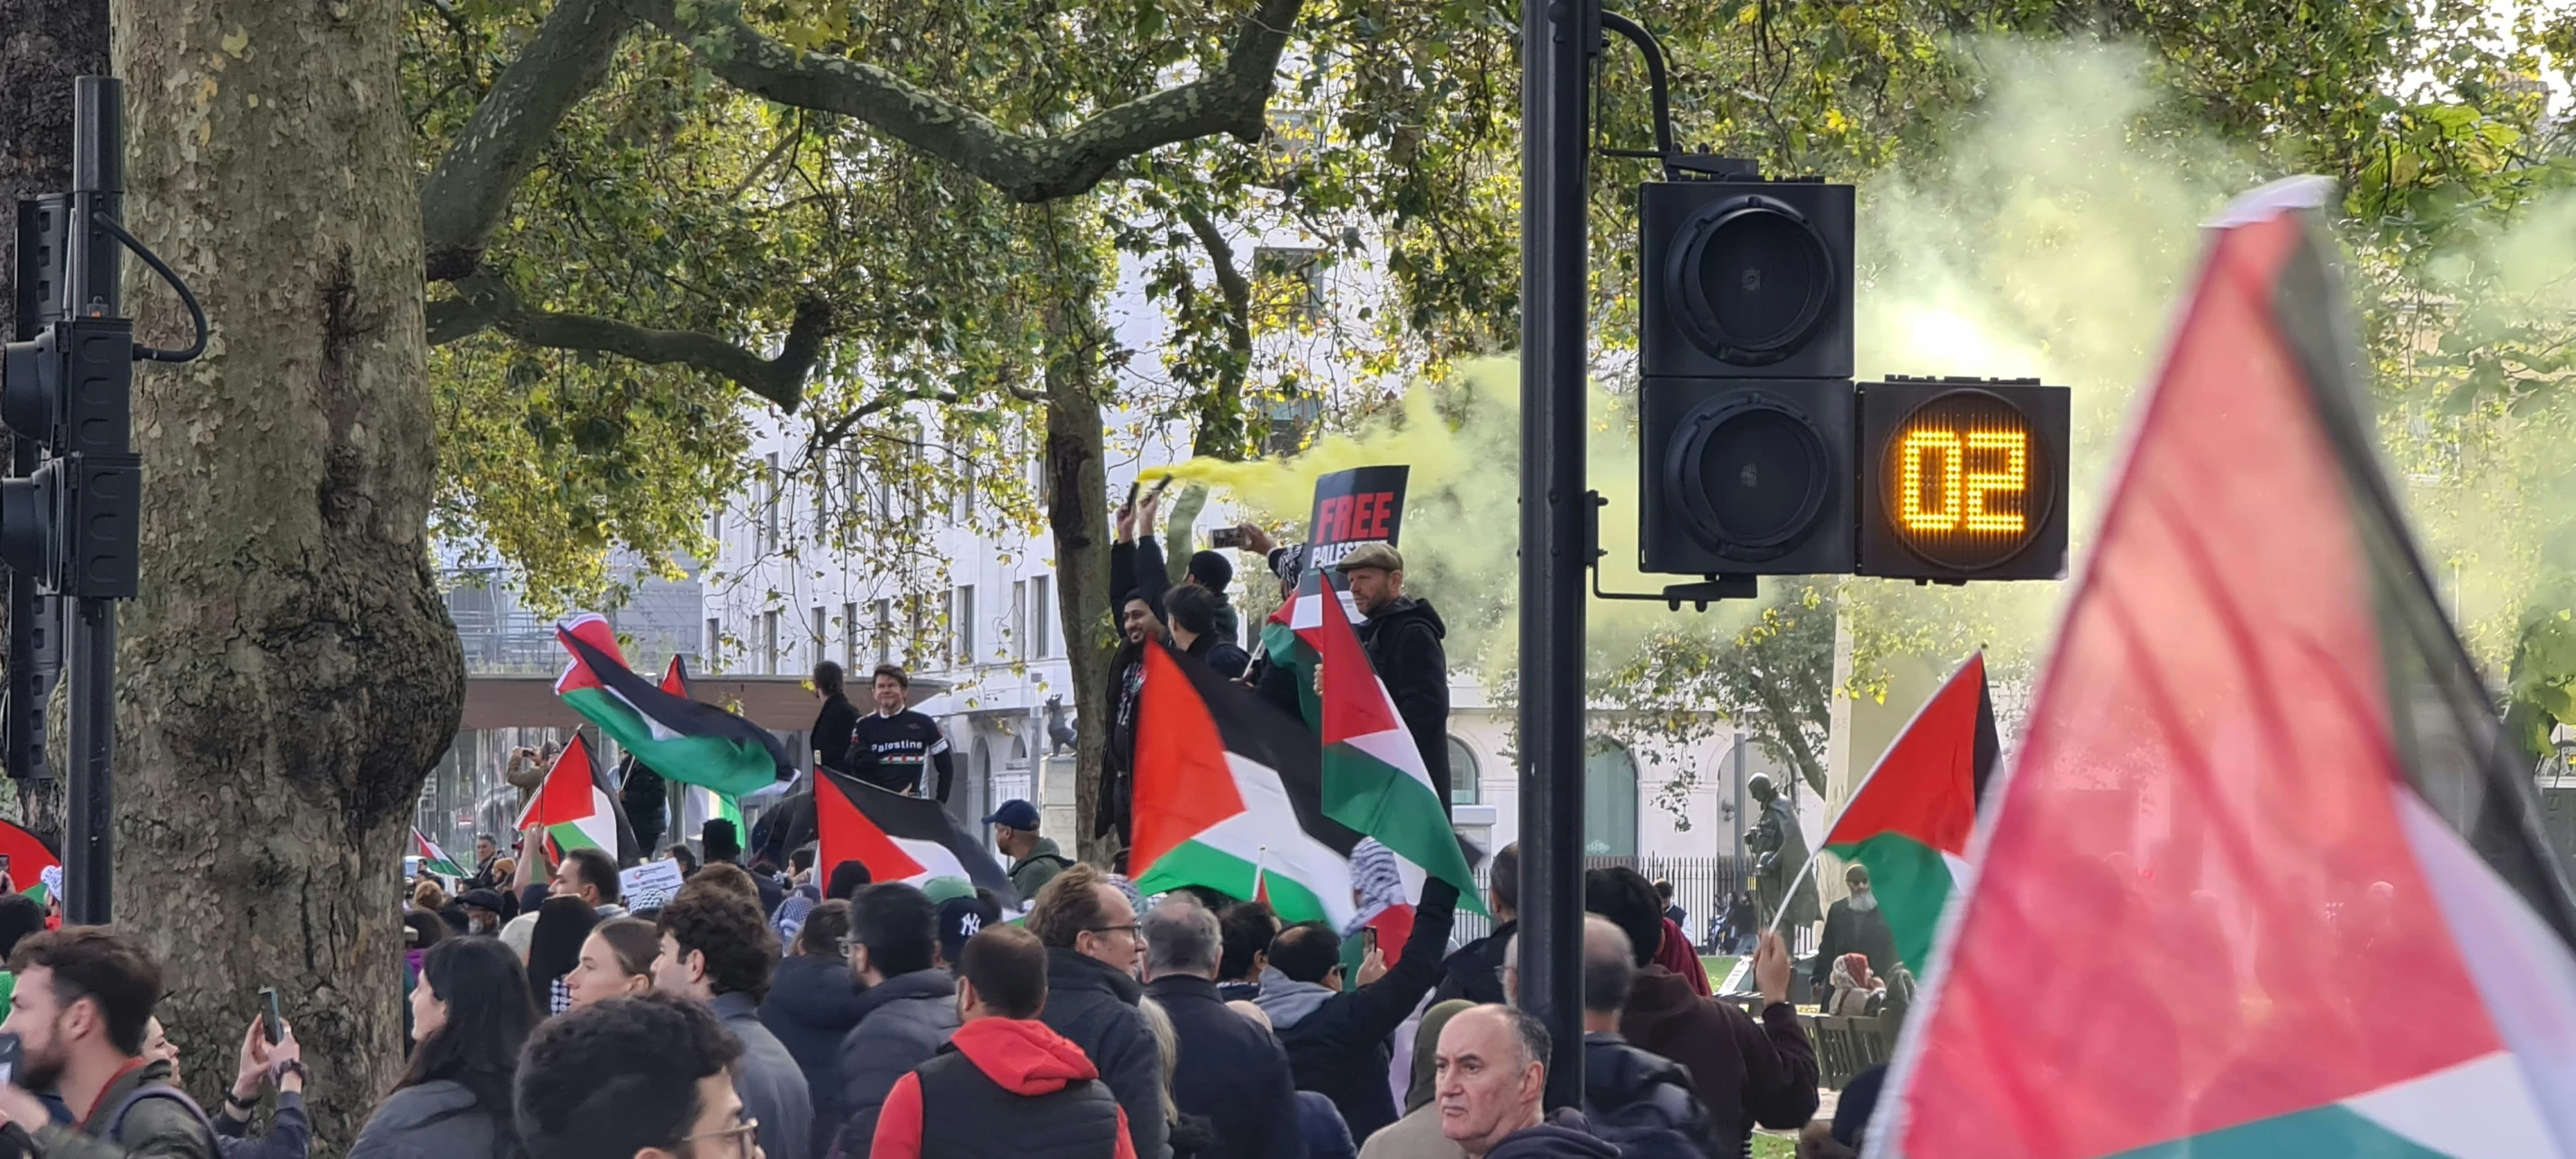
pixel 1126 668
pixel 901 1024
pixel 1475 972
pixel 160 1127
pixel 1095 1007
pixel 1746 1072
pixel 1337 1043
pixel 812 1004
pixel 1231 1071
pixel 772 1089
pixel 1403 642
pixel 435 1120
pixel 1617 1078
pixel 1563 1135
pixel 1005 1089
pixel 1219 654
pixel 831 736
pixel 290 1132
pixel 1851 931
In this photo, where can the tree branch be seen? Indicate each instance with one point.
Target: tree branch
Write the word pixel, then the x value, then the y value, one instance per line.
pixel 1228 99
pixel 1221 431
pixel 469 192
pixel 483 301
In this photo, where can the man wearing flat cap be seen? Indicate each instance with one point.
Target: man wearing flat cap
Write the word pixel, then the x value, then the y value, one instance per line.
pixel 1403 637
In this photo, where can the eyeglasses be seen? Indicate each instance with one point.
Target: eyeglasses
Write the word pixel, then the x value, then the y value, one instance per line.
pixel 1130 929
pixel 743 1135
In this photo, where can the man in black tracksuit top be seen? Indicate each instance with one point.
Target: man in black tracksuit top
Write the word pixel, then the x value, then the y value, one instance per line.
pixel 1402 637
pixel 890 747
pixel 1336 1039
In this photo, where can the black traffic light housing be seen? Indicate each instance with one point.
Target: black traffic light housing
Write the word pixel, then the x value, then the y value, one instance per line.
pixel 1963 479
pixel 1746 409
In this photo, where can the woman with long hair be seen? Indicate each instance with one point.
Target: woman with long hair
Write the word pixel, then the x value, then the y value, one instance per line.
pixel 470 1014
pixel 616 962
pixel 554 948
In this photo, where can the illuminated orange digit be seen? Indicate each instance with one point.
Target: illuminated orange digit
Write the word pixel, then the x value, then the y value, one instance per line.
pixel 1918 445
pixel 2015 476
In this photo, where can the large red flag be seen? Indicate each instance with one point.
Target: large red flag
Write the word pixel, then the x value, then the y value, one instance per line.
pixel 2263 880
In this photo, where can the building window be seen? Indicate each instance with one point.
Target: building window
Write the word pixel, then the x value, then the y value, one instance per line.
pixel 1609 800
pixel 1019 623
pixel 962 626
pixel 917 631
pixel 1041 617
pixel 715 644
pixel 769 504
pixel 1462 773
pixel 1288 283
pixel 817 632
pixel 769 642
pixel 884 631
pixel 850 637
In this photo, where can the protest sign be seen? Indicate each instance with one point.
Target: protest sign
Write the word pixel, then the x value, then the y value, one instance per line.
pixel 1359 506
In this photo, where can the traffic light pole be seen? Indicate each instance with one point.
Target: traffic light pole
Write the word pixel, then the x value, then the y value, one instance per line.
pixel 96 272
pixel 1557 46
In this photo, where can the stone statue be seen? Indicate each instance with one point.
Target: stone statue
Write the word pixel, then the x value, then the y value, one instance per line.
pixel 1779 854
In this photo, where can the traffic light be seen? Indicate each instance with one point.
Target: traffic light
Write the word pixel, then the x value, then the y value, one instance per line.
pixel 73 521
pixel 1746 407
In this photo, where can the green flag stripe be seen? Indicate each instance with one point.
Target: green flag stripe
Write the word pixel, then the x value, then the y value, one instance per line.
pixel 1378 799
pixel 2328 1130
pixel 1912 884
pixel 722 765
pixel 1190 863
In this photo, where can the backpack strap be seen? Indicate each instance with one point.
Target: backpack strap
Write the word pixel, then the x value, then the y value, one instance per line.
pixel 116 1118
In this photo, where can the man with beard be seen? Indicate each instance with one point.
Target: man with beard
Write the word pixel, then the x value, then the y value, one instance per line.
pixel 1403 637
pixel 1854 926
pixel 84 1000
pixel 1137 622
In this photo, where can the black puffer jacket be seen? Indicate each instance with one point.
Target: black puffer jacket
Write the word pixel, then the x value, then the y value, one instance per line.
pixel 1094 1007
pixel 902 1022
pixel 1403 641
pixel 812 1004
pixel 1645 1096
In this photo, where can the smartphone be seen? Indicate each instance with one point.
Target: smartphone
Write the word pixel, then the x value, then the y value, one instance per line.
pixel 1225 537
pixel 1133 489
pixel 268 1020
pixel 1368 940
pixel 8 1058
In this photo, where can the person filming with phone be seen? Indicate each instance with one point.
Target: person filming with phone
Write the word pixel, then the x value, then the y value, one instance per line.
pixel 77 1028
pixel 264 1065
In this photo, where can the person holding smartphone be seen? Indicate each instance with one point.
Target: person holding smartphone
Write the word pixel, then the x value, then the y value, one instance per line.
pixel 263 1066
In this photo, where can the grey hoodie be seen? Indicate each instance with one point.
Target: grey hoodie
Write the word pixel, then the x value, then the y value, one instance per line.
pixel 1287 1001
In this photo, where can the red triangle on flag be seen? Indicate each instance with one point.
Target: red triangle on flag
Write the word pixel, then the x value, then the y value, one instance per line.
pixel 843 833
pixel 675 679
pixel 566 794
pixel 590 628
pixel 1353 704
pixel 1931 794
pixel 1183 784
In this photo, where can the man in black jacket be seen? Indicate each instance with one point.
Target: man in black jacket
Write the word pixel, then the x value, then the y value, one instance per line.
pixel 907 1005
pixel 1189 611
pixel 1336 1040
pixel 1403 636
pixel 811 1005
pixel 1231 1071
pixel 832 725
pixel 1475 972
pixel 1093 945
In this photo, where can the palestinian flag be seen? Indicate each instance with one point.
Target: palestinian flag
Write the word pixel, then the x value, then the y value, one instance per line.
pixel 29 861
pixel 576 808
pixel 433 858
pixel 1374 777
pixel 1910 818
pixel 1228 796
pixel 2265 878
pixel 671 734
pixel 899 838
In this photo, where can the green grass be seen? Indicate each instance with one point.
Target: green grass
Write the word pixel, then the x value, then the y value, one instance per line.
pixel 1774 1147
pixel 1716 966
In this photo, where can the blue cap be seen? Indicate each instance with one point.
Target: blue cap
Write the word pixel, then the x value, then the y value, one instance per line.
pixel 961 918
pixel 1017 814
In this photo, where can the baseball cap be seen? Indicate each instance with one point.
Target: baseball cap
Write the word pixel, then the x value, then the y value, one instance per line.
pixel 943 889
pixel 1016 814
pixel 961 918
pixel 1377 555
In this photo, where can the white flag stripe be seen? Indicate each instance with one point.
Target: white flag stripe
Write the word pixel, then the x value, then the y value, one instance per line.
pixel 2525 978
pixel 1267 834
pixel 2479 1109
pixel 936 859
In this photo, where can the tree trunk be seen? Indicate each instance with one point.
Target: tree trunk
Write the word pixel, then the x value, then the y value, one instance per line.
pixel 288 676
pixel 1078 518
pixel 43 45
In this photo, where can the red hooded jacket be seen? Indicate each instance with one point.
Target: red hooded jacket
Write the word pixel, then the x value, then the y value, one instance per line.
pixel 1021 1056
